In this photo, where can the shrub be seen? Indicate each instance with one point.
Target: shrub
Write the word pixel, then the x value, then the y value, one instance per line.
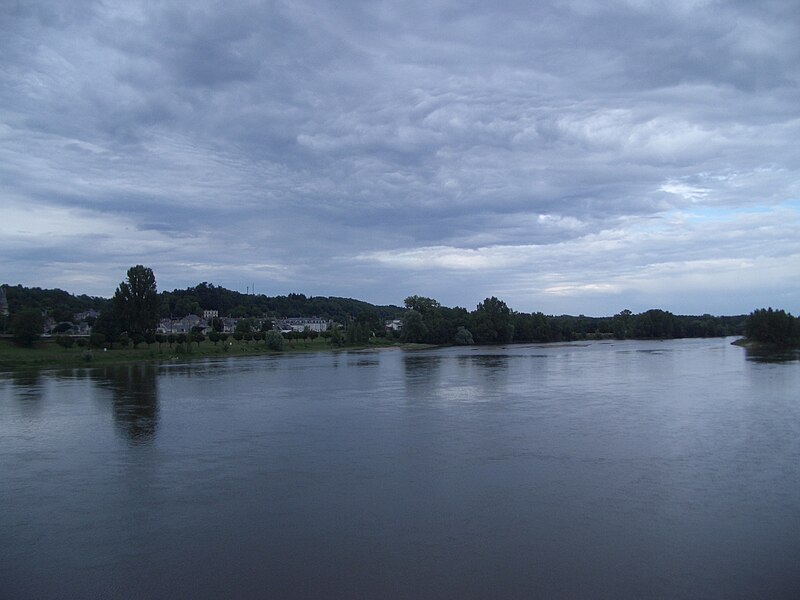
pixel 27 325
pixel 463 337
pixel 274 340
pixel 97 340
pixel 64 341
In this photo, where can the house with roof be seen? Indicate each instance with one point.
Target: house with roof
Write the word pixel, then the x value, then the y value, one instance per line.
pixel 393 324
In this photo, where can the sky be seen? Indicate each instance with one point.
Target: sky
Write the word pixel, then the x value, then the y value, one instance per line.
pixel 579 157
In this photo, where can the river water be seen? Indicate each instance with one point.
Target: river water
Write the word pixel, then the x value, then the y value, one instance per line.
pixel 595 470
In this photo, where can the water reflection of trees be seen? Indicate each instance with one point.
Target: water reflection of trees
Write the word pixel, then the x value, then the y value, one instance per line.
pixel 772 355
pixel 420 366
pixel 134 399
pixel 421 373
pixel 28 389
pixel 491 362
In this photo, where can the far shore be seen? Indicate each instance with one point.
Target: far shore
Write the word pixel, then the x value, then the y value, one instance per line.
pixel 46 354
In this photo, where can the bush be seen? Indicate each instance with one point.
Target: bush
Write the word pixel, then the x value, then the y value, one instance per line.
pixel 64 341
pixel 97 340
pixel 463 337
pixel 274 340
pixel 27 325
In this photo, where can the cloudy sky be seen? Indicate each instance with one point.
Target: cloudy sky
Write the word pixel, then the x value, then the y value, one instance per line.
pixel 578 156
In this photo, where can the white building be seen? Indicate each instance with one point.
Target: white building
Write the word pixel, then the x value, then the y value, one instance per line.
pixel 394 324
pixel 301 323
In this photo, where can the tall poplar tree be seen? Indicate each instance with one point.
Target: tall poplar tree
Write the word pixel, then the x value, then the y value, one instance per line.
pixel 136 301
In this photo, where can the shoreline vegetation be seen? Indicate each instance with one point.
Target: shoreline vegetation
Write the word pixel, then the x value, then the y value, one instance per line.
pixel 46 353
pixel 133 326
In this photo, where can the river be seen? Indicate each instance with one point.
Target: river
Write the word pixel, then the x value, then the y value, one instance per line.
pixel 589 470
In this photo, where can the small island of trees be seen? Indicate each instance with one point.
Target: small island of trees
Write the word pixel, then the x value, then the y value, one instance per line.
pixel 773 327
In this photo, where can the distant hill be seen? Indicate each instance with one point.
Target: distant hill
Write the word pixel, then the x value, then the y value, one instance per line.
pixel 58 304
pixel 61 305
pixel 205 296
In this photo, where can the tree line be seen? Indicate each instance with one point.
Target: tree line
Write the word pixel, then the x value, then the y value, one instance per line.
pixel 773 327
pixel 133 313
pixel 493 321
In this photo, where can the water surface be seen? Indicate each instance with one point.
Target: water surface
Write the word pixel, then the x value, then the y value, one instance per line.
pixel 624 469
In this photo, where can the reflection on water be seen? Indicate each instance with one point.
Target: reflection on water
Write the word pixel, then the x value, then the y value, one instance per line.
pixel 491 362
pixel 134 391
pixel 421 367
pixel 762 355
pixel 28 390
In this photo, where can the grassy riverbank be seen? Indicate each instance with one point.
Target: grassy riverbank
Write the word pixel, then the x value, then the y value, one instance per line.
pixel 47 354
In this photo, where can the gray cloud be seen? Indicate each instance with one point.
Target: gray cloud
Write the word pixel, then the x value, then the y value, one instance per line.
pixel 379 149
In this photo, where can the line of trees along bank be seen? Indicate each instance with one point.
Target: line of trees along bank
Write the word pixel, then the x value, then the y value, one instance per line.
pixel 137 306
pixel 494 322
pixel 61 305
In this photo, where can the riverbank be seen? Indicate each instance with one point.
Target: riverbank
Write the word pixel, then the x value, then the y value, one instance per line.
pixel 47 354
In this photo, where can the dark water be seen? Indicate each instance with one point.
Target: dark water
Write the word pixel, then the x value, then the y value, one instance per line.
pixel 616 470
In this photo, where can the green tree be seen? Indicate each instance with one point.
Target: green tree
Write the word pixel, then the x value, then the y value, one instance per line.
pixel 356 333
pixel 463 337
pixel 336 337
pixel 97 340
pixel 773 327
pixel 421 304
pixel 414 329
pixel 124 339
pixel 247 325
pixel 439 323
pixel 27 325
pixel 655 323
pixel 622 324
pixel 196 337
pixel 108 326
pixel 492 322
pixel 274 340
pixel 136 301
